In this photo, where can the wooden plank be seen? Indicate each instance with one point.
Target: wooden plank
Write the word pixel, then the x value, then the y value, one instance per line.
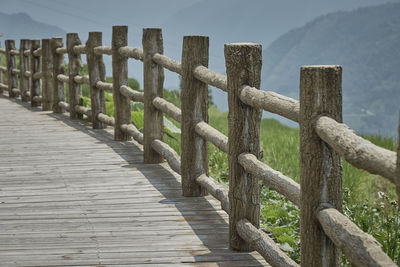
pixel 86 199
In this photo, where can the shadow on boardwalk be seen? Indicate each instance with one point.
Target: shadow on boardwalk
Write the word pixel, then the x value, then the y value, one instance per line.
pixel 202 214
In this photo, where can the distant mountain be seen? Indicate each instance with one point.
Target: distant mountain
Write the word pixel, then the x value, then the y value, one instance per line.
pixel 21 25
pixel 260 21
pixel 366 42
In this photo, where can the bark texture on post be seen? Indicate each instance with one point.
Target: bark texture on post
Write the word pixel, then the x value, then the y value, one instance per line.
pixel 122 104
pixel 58 68
pixel 35 68
pixel 97 72
pixel 194 99
pixel 398 165
pixel 320 166
pixel 47 75
pixel 75 68
pixel 243 67
pixel 1 73
pixel 24 66
pixel 11 64
pixel 153 79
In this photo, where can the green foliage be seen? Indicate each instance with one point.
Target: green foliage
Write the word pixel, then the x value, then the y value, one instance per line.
pixel 374 213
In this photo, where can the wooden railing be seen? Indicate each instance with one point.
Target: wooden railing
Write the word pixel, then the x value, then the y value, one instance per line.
pixel 325 231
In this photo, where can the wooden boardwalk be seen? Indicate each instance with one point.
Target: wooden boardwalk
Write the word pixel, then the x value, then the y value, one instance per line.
pixel 71 196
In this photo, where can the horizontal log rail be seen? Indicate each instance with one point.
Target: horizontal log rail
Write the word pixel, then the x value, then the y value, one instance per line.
pixel 168 153
pixel 131 94
pixel 106 119
pixel 212 135
pixel 168 108
pixel 246 102
pixel 103 50
pixel 210 77
pixel 133 132
pixel 360 248
pixel 14 52
pixel 79 49
pixel 37 52
pixel 61 50
pixel 131 52
pixel 270 177
pixel 104 86
pixel 217 190
pixel 81 79
pixel 264 244
pixel 356 150
pixel 168 63
pixel 270 101
pixel 63 78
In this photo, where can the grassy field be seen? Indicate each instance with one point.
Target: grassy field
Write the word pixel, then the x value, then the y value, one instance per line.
pixel 369 200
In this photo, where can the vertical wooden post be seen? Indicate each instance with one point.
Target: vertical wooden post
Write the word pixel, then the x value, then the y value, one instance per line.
pixel 194 99
pixel 24 66
pixel 75 68
pixel 153 79
pixel 320 166
pixel 58 68
pixel 1 73
pixel 122 104
pixel 11 64
pixel 47 75
pixel 97 72
pixel 398 165
pixel 35 68
pixel 243 67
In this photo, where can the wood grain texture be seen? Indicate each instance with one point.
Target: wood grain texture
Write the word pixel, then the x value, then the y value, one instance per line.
pixel 194 106
pixel 75 68
pixel 320 166
pixel 122 104
pixel 47 75
pixel 85 199
pixel 97 72
pixel 243 67
pixel 360 248
pixel 24 81
pixel 3 69
pixel 12 78
pixel 153 80
pixel 58 68
pixel 34 68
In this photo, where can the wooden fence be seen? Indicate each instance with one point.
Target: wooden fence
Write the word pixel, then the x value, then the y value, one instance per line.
pixel 325 231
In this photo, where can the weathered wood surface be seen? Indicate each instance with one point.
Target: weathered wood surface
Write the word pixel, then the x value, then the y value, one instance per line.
pixel 243 66
pixel 12 79
pixel 131 94
pixel 194 108
pixel 210 77
pixel 360 248
pixel 212 135
pixel 320 166
pixel 168 108
pixel 168 63
pixel 356 150
pixel 58 68
pixel 24 83
pixel 75 68
pixel 71 195
pixel 35 70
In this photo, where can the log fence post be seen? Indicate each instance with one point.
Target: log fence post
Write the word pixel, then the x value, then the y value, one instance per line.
pixel 23 67
pixel 11 64
pixel 34 68
pixel 122 104
pixel 153 80
pixel 320 166
pixel 97 72
pixel 194 100
pixel 74 68
pixel 243 67
pixel 58 68
pixel 47 75
pixel 1 73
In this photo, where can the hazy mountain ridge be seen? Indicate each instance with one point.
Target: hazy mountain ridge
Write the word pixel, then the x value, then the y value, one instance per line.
pixel 21 25
pixel 366 42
